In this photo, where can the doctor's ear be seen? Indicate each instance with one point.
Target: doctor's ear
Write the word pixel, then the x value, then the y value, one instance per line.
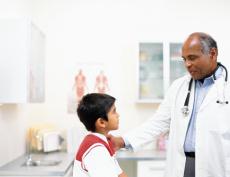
pixel 213 52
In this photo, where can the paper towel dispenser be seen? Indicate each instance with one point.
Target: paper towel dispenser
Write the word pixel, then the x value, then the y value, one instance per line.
pixel 52 141
pixel 44 139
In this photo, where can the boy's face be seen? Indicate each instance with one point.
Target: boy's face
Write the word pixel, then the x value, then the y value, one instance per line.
pixel 113 119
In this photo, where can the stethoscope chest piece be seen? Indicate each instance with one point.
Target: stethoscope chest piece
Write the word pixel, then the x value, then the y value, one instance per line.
pixel 185 111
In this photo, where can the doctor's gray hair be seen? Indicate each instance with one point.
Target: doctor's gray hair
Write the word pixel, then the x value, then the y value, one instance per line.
pixel 207 43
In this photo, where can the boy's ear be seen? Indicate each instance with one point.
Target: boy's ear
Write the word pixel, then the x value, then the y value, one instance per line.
pixel 101 123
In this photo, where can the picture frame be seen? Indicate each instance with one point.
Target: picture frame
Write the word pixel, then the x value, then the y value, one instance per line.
pixel 86 78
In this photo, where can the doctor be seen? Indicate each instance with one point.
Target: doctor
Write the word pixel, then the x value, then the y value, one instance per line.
pixel 196 113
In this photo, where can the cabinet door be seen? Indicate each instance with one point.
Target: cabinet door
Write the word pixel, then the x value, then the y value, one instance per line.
pixel 150 71
pixel 152 168
pixel 22 62
pixel 13 68
pixel 36 66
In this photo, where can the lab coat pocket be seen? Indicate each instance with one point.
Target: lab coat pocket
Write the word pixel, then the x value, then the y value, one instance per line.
pixel 225 140
pixel 220 150
pixel 227 166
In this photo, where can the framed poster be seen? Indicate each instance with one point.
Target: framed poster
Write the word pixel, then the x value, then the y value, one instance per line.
pixel 86 78
pixel 150 68
pixel 177 68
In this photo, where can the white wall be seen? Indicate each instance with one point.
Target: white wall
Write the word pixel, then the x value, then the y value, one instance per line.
pixel 108 32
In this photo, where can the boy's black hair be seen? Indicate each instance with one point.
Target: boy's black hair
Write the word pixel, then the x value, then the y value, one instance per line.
pixel 93 106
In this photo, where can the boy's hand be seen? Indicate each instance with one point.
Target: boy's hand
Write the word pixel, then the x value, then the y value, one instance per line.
pixel 117 142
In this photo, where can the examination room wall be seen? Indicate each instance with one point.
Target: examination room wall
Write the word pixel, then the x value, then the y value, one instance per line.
pixel 106 32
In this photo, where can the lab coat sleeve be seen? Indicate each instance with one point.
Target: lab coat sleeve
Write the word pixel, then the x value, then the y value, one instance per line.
pixel 157 124
pixel 99 163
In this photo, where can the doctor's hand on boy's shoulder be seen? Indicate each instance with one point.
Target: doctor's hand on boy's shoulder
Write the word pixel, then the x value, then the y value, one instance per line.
pixel 117 142
pixel 123 175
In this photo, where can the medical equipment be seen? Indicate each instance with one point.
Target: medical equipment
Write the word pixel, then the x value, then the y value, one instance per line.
pixel 185 109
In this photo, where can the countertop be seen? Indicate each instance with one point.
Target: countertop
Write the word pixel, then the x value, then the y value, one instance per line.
pixel 16 168
pixel 141 155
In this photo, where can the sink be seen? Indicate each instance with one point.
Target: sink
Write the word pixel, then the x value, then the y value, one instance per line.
pixel 30 162
pixel 40 164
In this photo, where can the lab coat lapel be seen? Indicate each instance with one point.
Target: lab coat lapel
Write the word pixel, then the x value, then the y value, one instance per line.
pixel 213 93
pixel 184 121
pixel 192 96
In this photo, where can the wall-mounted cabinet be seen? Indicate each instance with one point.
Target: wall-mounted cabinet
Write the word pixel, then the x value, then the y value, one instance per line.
pixel 159 64
pixel 22 58
pixel 150 68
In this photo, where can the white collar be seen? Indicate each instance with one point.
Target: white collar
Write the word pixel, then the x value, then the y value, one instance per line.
pixel 101 136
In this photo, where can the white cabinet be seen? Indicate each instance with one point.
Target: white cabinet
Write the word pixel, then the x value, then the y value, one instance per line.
pixel 22 58
pixel 145 163
pixel 150 168
pixel 159 64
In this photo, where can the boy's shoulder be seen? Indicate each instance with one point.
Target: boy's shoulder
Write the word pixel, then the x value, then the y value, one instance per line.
pixel 90 142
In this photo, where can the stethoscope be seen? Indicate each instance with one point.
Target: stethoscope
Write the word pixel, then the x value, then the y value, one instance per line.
pixel 185 109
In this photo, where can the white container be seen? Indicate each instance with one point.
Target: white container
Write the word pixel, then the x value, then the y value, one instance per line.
pixel 51 141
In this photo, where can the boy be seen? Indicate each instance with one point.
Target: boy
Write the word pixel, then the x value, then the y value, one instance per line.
pixel 95 156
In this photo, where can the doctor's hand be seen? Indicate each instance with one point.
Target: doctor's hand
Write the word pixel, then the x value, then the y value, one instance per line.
pixel 117 142
pixel 123 175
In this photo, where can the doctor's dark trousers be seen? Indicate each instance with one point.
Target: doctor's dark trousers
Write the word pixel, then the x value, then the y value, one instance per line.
pixel 189 170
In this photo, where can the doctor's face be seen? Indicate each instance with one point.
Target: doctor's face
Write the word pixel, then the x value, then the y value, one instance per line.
pixel 198 63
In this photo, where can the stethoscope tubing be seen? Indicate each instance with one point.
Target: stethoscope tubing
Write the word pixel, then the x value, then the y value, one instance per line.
pixel 185 109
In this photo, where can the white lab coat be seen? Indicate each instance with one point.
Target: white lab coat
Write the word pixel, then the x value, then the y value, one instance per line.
pixel 212 130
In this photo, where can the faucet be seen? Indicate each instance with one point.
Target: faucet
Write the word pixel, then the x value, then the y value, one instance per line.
pixel 31 136
pixel 28 148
